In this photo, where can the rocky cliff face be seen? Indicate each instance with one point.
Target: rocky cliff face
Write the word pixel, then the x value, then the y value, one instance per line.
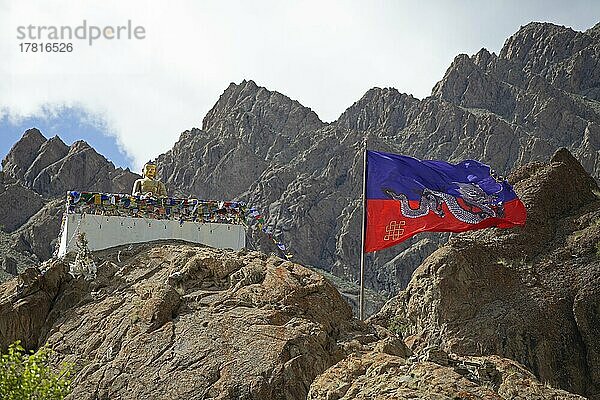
pixel 545 81
pixel 528 294
pixel 19 203
pixel 385 374
pixel 538 94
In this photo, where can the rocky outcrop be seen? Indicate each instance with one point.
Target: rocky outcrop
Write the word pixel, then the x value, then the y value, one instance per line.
pixel 9 252
pixel 392 376
pixel 40 234
pixel 528 294
pixel 181 321
pixel 9 265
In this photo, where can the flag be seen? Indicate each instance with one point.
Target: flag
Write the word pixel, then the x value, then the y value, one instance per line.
pixel 405 196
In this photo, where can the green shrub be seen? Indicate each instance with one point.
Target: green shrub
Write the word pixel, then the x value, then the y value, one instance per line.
pixel 398 327
pixel 29 376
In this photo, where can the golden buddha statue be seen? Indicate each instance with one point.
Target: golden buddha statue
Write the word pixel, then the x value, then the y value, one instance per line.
pixel 149 185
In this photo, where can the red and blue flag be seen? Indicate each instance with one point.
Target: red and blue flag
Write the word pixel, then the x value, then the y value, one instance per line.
pixel 406 196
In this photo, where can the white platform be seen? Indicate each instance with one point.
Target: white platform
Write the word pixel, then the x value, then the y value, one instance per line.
pixel 103 232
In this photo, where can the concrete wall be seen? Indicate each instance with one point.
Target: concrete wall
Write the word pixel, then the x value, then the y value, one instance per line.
pixel 103 232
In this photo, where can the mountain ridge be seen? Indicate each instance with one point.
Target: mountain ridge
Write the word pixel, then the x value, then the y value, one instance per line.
pixel 305 175
pixel 483 108
pixel 492 314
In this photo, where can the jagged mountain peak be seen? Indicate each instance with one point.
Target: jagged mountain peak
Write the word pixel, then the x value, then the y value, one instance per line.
pixel 542 71
pixel 594 31
pixel 50 167
pixel 248 127
pixel 543 25
pixel 538 44
pixel 23 153
pixel 250 101
pixel 483 58
pixel 389 95
pixel 484 53
pixel 377 108
pixel 55 141
pixel 540 30
pixel 82 145
pixel 467 83
pixel 33 134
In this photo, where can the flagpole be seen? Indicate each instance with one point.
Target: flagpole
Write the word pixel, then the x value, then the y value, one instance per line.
pixel 361 301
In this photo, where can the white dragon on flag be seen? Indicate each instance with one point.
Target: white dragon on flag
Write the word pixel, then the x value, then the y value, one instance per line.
pixel 473 196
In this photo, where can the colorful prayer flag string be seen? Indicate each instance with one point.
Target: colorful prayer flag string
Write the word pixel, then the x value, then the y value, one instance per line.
pixel 167 208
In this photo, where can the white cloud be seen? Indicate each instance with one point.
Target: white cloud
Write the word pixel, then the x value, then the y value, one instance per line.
pixel 326 54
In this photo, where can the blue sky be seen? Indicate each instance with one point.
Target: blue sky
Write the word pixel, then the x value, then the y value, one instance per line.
pixel 324 53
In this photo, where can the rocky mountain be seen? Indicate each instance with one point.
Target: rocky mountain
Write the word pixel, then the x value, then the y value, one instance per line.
pixel 493 314
pixel 50 167
pixel 170 321
pixel 539 93
pixel 529 294
pixel 546 80
pixel 35 175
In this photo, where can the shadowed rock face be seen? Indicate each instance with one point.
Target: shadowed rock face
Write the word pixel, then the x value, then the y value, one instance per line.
pixel 18 202
pixel 181 321
pixel 529 294
pixel 39 235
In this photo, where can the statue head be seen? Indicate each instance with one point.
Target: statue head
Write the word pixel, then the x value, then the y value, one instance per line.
pixel 149 170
